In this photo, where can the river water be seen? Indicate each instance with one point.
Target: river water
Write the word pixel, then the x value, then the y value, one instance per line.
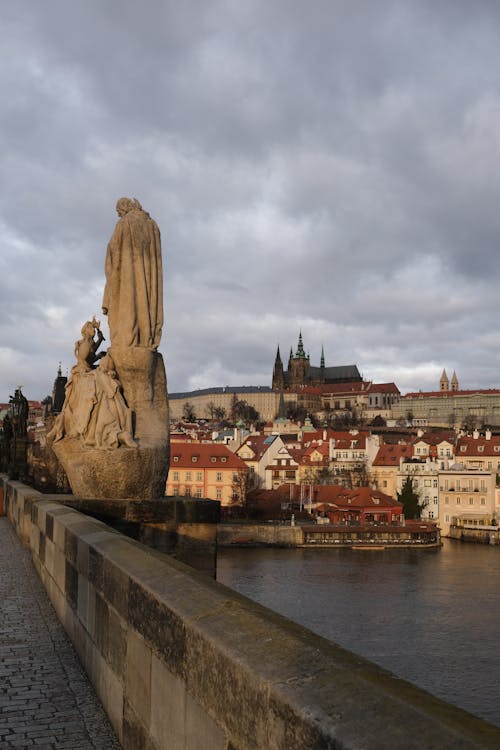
pixel 429 616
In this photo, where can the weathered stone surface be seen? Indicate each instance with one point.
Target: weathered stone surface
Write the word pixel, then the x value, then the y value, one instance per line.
pixel 227 672
pixel 136 473
pixel 112 434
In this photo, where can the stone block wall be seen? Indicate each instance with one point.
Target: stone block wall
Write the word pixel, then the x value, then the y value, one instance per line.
pixel 180 661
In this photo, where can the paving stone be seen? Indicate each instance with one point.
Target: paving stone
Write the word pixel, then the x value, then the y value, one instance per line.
pixel 46 700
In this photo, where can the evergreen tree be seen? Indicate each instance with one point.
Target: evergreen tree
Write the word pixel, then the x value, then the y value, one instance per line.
pixel 412 507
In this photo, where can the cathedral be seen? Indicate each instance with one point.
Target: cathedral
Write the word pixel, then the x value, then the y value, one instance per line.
pixel 300 372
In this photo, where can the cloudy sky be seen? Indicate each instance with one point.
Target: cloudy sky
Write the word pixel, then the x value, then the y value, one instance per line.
pixel 331 166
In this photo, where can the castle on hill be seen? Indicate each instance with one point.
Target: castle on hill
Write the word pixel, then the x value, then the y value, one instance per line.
pixel 300 372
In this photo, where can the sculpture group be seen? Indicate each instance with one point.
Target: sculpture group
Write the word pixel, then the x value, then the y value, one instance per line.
pixel 112 434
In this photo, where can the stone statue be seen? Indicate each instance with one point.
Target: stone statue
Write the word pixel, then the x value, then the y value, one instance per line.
pixel 94 409
pixel 112 434
pixel 86 348
pixel 133 295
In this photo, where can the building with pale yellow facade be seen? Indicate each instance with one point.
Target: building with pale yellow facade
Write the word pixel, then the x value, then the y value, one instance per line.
pixel 264 400
pixel 206 470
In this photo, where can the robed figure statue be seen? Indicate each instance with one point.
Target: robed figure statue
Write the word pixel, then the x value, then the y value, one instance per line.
pixel 133 295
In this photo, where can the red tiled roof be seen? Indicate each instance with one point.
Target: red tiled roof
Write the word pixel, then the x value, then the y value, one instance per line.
pixel 205 455
pixel 470 446
pixel 447 394
pixel 257 443
pixel 390 455
pixel 383 388
pixel 435 438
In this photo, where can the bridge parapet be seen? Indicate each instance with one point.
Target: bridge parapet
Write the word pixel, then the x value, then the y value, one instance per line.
pixel 180 661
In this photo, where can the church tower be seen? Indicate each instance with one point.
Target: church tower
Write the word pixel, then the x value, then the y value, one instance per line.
pixel 58 391
pixel 299 365
pixel 278 373
pixel 454 382
pixel 444 383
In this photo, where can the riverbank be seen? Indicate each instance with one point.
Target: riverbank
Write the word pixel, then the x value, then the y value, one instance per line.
pixel 412 534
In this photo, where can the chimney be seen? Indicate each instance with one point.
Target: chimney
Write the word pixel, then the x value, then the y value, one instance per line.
pixel 487 434
pixel 475 434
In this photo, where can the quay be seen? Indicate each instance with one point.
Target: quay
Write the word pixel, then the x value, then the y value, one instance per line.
pixel 417 535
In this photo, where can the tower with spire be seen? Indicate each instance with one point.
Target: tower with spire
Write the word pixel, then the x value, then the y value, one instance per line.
pixel 444 383
pixel 300 372
pixel 278 373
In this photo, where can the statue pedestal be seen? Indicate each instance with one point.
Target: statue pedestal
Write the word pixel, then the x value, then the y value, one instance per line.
pixel 132 473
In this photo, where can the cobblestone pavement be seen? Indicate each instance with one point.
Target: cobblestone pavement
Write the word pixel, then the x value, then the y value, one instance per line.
pixel 46 700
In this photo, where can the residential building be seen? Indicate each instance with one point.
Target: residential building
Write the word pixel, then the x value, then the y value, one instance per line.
pixel 466 496
pixel 259 451
pixel 207 470
pixel 386 465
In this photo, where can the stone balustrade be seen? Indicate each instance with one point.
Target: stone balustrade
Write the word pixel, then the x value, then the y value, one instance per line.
pixel 180 661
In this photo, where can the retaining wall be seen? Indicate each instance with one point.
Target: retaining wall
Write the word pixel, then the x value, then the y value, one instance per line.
pixel 181 662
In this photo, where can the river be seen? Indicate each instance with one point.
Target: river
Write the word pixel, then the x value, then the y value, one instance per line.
pixel 429 616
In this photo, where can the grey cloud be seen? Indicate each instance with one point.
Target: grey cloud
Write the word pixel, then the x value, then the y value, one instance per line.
pixel 329 166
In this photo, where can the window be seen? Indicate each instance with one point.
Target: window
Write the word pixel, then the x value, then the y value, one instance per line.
pixel 218 493
pixel 223 459
pixel 199 476
pixel 187 491
pixel 483 501
pixel 219 476
pixel 194 459
pixel 198 492
pixel 471 501
pixel 458 501
pixel 188 476
pixel 176 476
pixel 434 482
pixel 446 518
pixel 176 459
pixel 213 459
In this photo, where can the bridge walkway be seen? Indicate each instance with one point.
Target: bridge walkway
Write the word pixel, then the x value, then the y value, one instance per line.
pixel 46 699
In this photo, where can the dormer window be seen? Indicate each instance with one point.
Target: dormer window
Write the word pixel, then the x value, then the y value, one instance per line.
pixel 194 459
pixel 213 459
pixel 176 459
pixel 223 459
pixel 463 448
pixel 480 448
